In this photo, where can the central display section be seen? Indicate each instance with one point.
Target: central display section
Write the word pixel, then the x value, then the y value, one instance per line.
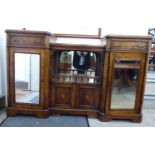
pixel 76 67
pixel 75 79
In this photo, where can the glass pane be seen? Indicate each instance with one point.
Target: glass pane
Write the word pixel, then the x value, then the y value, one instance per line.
pixel 77 66
pixel 124 84
pixel 27 78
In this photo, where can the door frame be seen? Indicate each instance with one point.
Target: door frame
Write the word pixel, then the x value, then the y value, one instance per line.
pixel 140 86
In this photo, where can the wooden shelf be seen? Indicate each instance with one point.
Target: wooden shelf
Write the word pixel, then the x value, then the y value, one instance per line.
pixel 67 78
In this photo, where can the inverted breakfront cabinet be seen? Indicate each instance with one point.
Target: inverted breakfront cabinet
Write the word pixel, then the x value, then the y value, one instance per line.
pixel 105 80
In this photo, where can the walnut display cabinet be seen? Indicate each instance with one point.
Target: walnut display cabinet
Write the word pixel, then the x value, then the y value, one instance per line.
pixel 104 80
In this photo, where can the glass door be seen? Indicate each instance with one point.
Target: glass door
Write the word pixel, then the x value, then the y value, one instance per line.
pixel 126 78
pixel 28 78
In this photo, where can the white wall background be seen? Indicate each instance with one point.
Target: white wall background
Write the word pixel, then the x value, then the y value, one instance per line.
pixel 114 16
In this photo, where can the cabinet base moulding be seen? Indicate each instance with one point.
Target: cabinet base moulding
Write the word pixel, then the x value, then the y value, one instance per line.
pixel 12 112
pixel 88 113
pixel 135 118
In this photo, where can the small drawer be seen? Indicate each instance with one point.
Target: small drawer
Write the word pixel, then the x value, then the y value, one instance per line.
pixel 27 41
pixel 129 45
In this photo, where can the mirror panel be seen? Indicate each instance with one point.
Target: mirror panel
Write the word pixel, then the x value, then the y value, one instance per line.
pixel 124 85
pixel 77 66
pixel 27 78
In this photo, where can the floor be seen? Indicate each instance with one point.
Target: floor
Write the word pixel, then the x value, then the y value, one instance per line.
pixel 78 121
pixel 53 121
pixel 148 121
pixel 27 96
pixel 2 116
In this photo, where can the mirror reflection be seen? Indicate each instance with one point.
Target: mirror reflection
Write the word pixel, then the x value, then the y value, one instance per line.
pixel 77 66
pixel 27 78
pixel 124 84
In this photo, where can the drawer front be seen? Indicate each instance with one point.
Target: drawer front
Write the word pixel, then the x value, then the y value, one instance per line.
pixel 129 45
pixel 27 41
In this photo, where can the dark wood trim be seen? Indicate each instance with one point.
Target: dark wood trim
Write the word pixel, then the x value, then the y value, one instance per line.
pixel 61 35
pixel 105 79
pixel 76 36
pixel 127 37
pixel 27 32
pixel 13 111
pixel 89 113
pixel 135 118
pixel 62 46
pixel 97 36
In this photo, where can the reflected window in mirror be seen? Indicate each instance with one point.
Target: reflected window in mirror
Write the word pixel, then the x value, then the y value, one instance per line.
pixel 124 84
pixel 27 78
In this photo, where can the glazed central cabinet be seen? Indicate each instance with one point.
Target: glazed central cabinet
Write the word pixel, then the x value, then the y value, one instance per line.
pixel 105 80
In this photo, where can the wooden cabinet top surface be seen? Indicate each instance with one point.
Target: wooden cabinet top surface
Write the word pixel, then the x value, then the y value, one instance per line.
pixel 128 37
pixel 27 32
pixel 44 39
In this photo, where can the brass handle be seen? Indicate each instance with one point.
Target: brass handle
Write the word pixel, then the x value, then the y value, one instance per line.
pixel 141 45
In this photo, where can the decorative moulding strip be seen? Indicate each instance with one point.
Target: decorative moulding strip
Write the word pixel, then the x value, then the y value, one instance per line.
pixel 98 36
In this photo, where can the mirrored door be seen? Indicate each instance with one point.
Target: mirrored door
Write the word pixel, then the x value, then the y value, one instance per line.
pixel 27 78
pixel 126 82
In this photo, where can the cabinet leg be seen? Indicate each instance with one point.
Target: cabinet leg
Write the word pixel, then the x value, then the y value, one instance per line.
pixel 43 114
pixel 104 117
pixel 137 120
pixel 11 113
